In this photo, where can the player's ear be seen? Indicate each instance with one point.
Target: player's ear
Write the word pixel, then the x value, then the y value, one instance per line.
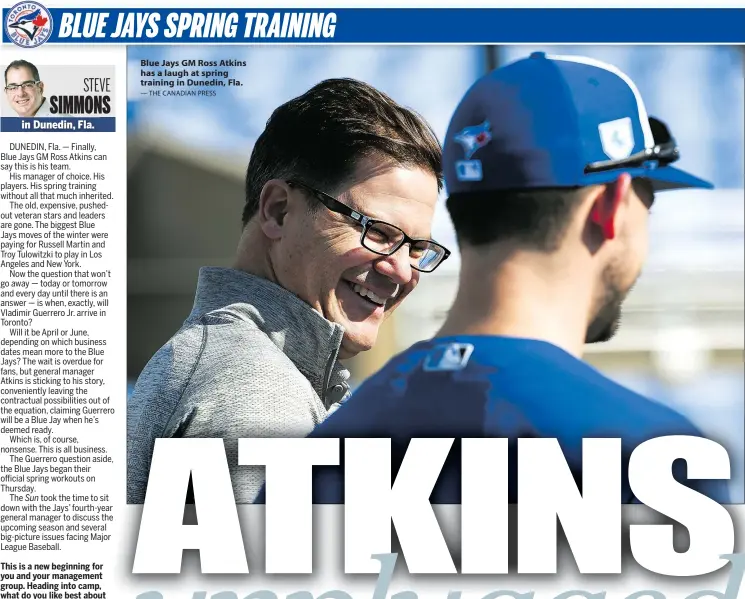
pixel 274 204
pixel 605 213
pixel 40 85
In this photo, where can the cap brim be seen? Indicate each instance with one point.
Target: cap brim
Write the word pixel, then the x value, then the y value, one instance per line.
pixel 663 179
pixel 669 177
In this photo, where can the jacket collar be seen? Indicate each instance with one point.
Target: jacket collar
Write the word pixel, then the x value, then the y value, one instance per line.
pixel 301 333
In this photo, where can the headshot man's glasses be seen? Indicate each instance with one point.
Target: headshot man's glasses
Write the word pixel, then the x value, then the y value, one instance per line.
pixel 383 238
pixel 25 86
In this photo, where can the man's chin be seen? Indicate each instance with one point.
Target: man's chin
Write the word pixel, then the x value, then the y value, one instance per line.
pixel 353 344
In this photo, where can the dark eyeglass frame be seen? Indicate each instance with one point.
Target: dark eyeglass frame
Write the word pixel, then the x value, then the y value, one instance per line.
pixel 367 222
pixel 664 152
pixel 30 83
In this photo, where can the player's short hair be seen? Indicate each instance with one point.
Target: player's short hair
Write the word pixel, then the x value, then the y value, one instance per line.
pixel 535 219
pixel 22 64
pixel 320 137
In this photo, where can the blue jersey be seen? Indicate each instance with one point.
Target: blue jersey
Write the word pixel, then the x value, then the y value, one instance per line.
pixel 489 386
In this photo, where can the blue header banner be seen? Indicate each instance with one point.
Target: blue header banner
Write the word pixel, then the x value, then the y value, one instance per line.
pixel 30 24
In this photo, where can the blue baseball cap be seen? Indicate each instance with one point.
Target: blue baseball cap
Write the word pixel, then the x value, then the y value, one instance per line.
pixel 557 121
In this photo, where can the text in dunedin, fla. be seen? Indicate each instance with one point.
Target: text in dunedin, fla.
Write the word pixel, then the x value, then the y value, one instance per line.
pixel 56 408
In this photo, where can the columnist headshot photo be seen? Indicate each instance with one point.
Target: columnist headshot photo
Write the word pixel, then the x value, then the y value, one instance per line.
pixel 24 90
pixel 335 232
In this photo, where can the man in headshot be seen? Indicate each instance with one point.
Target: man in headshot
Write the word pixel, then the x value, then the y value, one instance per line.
pixel 551 166
pixel 24 90
pixel 341 190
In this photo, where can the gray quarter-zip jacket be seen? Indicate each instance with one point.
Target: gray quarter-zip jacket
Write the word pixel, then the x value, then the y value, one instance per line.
pixel 251 360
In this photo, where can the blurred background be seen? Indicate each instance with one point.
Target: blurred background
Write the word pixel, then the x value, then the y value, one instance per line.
pixel 682 338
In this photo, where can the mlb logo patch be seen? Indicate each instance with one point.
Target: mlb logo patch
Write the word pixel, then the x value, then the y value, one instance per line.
pixel 469 170
pixel 448 357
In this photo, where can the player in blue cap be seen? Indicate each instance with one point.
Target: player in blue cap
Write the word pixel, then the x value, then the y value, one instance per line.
pixel 551 165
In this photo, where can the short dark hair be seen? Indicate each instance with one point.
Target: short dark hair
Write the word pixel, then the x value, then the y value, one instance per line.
pixel 22 64
pixel 535 219
pixel 320 137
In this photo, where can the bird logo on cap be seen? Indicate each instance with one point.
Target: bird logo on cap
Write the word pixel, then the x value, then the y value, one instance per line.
pixel 473 138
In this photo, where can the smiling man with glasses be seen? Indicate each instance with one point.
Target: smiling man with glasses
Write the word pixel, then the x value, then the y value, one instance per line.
pixel 384 238
pixel 24 90
pixel 341 191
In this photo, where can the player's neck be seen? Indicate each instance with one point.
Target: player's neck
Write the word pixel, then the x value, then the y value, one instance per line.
pixel 521 299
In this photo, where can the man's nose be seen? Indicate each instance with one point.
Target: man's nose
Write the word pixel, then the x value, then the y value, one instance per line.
pixel 397 266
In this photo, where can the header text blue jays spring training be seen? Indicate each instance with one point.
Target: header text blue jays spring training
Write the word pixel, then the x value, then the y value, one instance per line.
pixel 416 26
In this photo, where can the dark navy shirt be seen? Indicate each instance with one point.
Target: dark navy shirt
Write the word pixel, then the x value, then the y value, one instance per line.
pixel 489 386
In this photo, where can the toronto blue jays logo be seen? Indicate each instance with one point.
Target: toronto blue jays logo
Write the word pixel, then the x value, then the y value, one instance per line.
pixel 28 24
pixel 473 138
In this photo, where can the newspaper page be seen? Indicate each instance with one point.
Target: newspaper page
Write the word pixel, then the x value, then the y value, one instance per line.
pixel 336 301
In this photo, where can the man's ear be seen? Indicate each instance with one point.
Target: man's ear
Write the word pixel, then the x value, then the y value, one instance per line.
pixel 274 203
pixel 605 209
pixel 40 85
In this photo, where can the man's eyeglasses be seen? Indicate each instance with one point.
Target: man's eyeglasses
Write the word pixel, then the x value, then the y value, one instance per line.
pixel 383 238
pixel 26 86
pixel 664 152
